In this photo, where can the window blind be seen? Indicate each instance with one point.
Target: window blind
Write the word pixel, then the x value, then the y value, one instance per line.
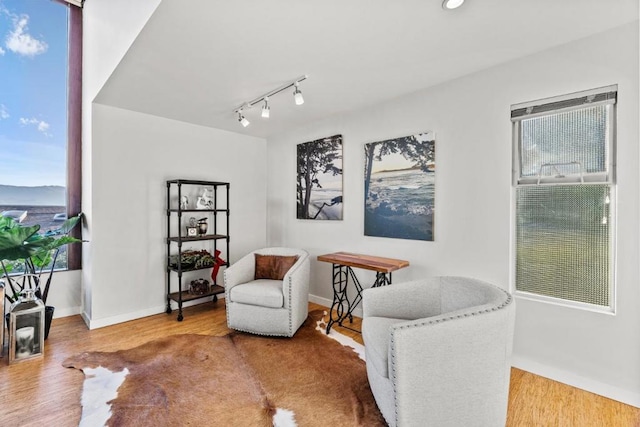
pixel 563 242
pixel 566 140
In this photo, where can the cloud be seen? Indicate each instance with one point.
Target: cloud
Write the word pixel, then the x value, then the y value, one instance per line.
pixel 41 125
pixel 4 114
pixel 1 51
pixel 21 42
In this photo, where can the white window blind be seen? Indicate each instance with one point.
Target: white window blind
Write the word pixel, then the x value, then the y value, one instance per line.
pixel 564 174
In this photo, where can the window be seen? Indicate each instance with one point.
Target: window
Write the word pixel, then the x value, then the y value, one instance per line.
pixel 40 55
pixel 564 176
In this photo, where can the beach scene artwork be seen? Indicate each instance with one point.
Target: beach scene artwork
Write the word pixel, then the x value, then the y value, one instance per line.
pixel 319 179
pixel 399 187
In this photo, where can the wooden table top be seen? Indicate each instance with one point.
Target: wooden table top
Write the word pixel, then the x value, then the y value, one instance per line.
pixel 368 262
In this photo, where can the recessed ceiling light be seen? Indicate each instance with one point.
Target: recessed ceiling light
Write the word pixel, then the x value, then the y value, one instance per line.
pixel 451 4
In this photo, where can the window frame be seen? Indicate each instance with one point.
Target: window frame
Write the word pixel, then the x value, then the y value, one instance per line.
pixel 544 107
pixel 74 131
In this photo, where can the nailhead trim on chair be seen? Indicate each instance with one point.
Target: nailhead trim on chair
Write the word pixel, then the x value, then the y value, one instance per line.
pixel 475 313
pixel 226 295
pixel 290 311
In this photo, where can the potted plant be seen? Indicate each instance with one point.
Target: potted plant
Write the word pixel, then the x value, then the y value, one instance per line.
pixel 23 248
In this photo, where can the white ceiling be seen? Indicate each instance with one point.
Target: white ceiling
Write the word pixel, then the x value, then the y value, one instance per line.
pixel 197 60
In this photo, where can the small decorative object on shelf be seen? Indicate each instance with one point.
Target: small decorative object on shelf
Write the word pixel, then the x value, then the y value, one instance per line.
pixel 199 287
pixel 26 328
pixel 184 202
pixel 202 226
pixel 192 259
pixel 206 200
pixel 192 229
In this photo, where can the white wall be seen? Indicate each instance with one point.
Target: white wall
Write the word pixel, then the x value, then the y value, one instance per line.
pixel 127 157
pixel 474 210
pixel 109 29
pixel 133 155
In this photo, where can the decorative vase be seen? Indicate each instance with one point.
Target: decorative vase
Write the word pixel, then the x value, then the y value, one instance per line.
pixel 202 226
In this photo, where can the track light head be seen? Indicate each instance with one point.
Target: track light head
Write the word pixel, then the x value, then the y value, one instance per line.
pixel 451 4
pixel 297 95
pixel 266 109
pixel 242 119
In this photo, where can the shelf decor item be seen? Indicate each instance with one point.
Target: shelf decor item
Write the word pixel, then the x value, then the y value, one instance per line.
pixel 192 229
pixel 206 200
pixel 202 226
pixel 184 202
pixel 192 259
pixel 26 328
pixel 199 287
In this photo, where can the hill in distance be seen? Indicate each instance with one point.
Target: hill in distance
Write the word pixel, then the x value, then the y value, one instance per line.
pixel 46 195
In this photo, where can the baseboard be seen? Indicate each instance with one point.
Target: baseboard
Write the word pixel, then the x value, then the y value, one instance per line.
pixel 121 318
pixel 113 320
pixel 628 397
pixel 327 303
pixel 66 312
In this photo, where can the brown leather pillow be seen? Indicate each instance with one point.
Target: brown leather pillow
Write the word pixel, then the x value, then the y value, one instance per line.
pixel 273 267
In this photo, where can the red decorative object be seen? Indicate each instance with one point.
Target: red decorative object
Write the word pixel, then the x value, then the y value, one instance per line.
pixel 216 266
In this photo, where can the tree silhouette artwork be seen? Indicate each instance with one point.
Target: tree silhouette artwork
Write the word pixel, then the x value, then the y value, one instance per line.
pixel 399 187
pixel 319 183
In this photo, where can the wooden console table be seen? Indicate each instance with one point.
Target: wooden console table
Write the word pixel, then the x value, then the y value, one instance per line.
pixel 342 263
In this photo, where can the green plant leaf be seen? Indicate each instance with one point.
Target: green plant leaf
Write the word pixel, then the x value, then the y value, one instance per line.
pixel 13 241
pixel 69 224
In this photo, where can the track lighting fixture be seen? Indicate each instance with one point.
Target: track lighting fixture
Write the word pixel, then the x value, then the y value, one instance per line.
pixel 242 119
pixel 297 95
pixel 266 109
pixel 451 4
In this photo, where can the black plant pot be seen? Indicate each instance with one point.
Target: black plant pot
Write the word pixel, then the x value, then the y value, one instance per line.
pixel 48 317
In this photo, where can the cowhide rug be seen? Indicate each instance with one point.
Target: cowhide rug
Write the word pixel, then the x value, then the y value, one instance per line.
pixel 234 380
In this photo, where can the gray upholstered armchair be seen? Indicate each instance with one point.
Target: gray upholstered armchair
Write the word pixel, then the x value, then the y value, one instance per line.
pixel 267 306
pixel 438 351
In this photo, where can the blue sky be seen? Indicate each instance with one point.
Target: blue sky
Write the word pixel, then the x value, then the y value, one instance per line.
pixel 33 92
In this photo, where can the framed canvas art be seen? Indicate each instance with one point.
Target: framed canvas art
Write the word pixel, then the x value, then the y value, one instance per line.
pixel 319 179
pixel 399 187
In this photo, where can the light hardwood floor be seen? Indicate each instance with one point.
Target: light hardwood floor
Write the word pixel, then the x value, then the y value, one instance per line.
pixel 43 393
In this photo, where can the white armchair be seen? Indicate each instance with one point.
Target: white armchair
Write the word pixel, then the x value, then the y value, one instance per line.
pixel 437 351
pixel 265 306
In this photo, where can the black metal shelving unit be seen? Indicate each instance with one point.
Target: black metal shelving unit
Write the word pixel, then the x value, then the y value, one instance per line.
pixel 175 185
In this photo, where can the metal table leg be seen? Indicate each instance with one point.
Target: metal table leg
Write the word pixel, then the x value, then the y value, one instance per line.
pixel 341 305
